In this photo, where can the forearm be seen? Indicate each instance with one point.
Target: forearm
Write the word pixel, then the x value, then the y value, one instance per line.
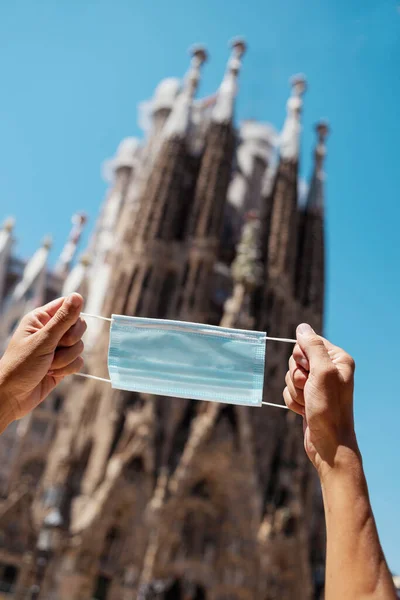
pixel 356 568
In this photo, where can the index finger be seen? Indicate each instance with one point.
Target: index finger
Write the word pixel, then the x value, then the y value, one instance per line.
pixel 300 357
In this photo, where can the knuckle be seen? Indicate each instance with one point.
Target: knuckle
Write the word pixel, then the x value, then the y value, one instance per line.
pixel 61 316
pixel 299 378
pixel 297 352
pixel 315 342
pixel 349 360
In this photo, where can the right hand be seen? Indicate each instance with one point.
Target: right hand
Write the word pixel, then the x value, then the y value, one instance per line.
pixel 45 347
pixel 319 386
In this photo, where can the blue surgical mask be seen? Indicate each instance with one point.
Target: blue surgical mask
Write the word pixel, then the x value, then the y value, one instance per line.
pixel 187 360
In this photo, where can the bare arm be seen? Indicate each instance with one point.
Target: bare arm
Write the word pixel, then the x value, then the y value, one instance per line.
pixel 320 388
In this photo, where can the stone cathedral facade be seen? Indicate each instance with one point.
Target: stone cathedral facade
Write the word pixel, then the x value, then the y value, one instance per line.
pixel 114 495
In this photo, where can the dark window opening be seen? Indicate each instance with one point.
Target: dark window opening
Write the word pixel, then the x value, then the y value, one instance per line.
pixel 134 469
pixel 111 545
pixel 145 285
pixel 117 433
pixel 182 217
pixel 58 403
pixel 8 578
pixel 196 290
pixel 289 528
pixel 129 291
pixel 166 294
pixel 201 490
pixel 272 482
pixel 102 588
pixel 227 422
pixel 185 275
pixel 78 471
pixel 227 245
pixel 185 591
pixel 163 228
pixel 182 435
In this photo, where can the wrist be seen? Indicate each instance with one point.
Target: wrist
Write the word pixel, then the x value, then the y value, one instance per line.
pixel 347 462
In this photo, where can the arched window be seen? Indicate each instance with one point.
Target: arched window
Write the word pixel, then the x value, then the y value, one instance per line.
pixel 101 588
pixel 58 403
pixel 111 546
pixel 134 469
pixel 8 577
pixel 145 285
pixel 185 590
pixel 201 490
pixel 166 294
pixel 78 471
pixel 119 427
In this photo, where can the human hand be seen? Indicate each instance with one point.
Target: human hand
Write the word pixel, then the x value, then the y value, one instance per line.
pixel 45 347
pixel 319 386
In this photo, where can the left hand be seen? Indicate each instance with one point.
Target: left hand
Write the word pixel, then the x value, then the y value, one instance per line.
pixel 45 347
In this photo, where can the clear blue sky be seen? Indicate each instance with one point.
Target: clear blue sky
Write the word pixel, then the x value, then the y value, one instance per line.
pixel 73 72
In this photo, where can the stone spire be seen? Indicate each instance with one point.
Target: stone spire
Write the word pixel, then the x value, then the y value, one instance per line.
pixel 29 293
pixel 68 253
pixel 315 198
pixel 290 136
pixel 206 219
pixel 179 119
pixel 223 109
pixel 311 248
pixel 280 228
pixel 125 157
pixel 32 285
pixel 76 280
pixel 6 242
pixel 120 170
pixel 255 150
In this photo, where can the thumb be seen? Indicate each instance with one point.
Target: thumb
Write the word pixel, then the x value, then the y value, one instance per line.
pixel 66 316
pixel 313 346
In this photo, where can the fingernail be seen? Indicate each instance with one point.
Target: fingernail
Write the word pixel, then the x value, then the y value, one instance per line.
pixel 74 300
pixel 305 329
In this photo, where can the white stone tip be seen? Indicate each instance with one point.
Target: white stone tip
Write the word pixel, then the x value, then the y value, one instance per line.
pixel 199 51
pixel 299 84
pixel 79 218
pixel 47 242
pixel 85 259
pixel 238 45
pixel 9 224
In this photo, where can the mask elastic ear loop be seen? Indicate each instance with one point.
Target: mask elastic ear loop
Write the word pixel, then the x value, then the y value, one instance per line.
pixel 272 339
